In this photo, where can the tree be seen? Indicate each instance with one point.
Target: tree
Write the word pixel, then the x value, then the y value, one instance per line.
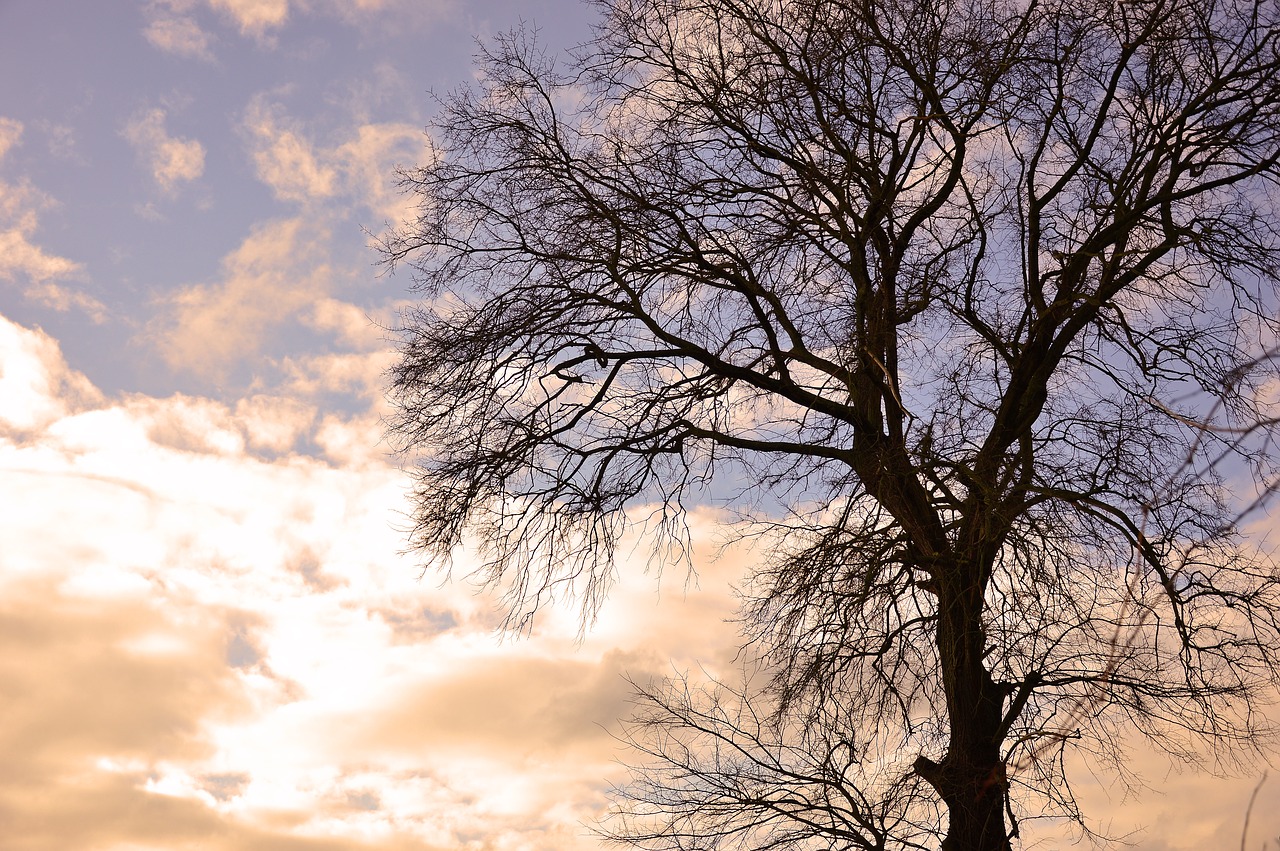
pixel 966 306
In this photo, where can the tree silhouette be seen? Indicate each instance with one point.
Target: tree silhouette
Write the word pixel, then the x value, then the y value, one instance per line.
pixel 965 306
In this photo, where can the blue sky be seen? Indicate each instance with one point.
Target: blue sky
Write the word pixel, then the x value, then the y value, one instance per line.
pixel 147 134
pixel 210 636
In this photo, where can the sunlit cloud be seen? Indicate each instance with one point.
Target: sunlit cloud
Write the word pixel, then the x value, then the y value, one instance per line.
pixel 36 386
pixel 173 25
pixel 274 275
pixel 171 160
pixel 10 134
pixel 219 645
pixel 277 282
pixel 41 273
pixel 285 160
pixel 359 168
pixel 348 323
pixel 254 17
pixel 264 669
pixel 172 29
pixel 369 161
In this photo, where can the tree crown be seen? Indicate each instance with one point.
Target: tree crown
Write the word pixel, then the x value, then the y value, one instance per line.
pixel 973 303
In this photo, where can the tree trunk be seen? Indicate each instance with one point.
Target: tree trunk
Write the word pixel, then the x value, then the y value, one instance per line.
pixel 970 779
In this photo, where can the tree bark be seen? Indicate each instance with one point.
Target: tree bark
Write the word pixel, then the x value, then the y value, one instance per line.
pixel 970 779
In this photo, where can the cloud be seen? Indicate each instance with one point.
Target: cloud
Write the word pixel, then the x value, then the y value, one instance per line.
pixel 275 286
pixel 36 386
pixel 10 135
pixel 19 256
pixel 515 705
pixel 172 161
pixel 171 28
pixel 359 168
pixel 369 161
pixel 219 646
pixel 284 158
pixel 254 17
pixel 21 259
pixel 216 643
pixel 357 373
pixel 272 277
pixel 348 323
pixel 173 25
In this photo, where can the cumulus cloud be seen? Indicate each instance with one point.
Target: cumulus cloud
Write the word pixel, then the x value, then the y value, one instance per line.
pixel 218 645
pixel 360 167
pixel 171 160
pixel 42 274
pixel 285 159
pixel 254 17
pixel 273 276
pixel 36 386
pixel 174 26
pixel 277 281
pixel 171 28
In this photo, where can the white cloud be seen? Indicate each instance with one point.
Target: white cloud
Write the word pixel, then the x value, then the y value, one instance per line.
pixel 217 645
pixel 36 386
pixel 171 160
pixel 195 624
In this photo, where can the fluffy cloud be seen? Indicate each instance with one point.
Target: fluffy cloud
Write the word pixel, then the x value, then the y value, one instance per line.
pixel 359 168
pixel 186 600
pixel 275 283
pixel 172 25
pixel 10 134
pixel 173 31
pixel 172 161
pixel 22 260
pixel 254 17
pixel 216 644
pixel 285 160
pixel 276 273
pixel 219 646
pixel 36 386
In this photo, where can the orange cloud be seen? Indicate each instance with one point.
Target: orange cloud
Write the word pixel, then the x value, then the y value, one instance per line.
pixel 360 169
pixel 24 261
pixel 212 641
pixel 172 30
pixel 171 160
pixel 275 274
pixel 254 17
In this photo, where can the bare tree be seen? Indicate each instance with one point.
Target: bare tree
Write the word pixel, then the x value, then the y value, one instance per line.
pixel 966 304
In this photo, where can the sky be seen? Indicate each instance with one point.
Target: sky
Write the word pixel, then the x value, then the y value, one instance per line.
pixel 210 637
